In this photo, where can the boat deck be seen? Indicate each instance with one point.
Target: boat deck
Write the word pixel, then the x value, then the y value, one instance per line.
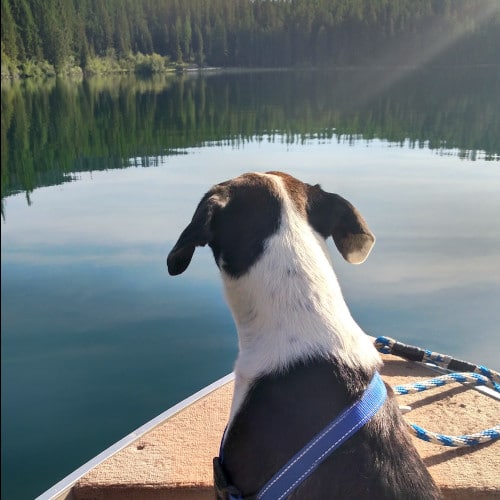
pixel 173 459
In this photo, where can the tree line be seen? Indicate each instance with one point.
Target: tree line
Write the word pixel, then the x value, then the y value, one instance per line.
pixel 252 33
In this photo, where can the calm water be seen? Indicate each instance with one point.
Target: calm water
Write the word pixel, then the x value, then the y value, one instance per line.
pixel 100 177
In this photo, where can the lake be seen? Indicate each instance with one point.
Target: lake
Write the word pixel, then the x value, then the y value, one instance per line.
pixel 99 178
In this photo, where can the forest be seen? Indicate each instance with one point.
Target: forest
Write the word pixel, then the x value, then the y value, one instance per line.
pixel 62 34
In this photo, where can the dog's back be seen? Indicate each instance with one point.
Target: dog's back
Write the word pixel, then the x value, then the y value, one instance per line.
pixel 302 357
pixel 282 412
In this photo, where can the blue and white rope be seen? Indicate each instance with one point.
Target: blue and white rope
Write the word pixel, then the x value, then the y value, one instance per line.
pixel 485 436
pixel 478 375
pixel 463 378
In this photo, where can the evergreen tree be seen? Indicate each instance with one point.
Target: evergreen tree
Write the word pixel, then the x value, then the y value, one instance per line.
pixel 10 37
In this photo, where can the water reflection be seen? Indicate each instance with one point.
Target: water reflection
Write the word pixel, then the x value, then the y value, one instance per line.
pixel 95 335
pixel 53 129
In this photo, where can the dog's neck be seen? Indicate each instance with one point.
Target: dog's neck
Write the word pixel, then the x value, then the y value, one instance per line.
pixel 289 307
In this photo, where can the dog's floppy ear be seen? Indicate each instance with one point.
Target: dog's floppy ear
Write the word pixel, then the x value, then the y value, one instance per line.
pixel 196 234
pixel 334 216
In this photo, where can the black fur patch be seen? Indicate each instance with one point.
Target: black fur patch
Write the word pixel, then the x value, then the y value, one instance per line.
pixel 282 412
pixel 239 229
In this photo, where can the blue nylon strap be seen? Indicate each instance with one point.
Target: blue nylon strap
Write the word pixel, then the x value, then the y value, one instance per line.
pixel 323 444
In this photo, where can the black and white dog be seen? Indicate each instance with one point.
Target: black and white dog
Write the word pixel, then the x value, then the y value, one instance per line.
pixel 302 358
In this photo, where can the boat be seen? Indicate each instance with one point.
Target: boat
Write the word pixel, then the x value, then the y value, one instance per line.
pixel 170 457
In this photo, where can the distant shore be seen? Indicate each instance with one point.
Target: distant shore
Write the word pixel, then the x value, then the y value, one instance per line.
pixel 140 64
pixel 157 65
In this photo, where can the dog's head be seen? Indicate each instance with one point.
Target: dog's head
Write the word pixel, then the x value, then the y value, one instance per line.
pixel 236 217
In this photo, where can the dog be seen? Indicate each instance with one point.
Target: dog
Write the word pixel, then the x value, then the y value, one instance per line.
pixel 302 357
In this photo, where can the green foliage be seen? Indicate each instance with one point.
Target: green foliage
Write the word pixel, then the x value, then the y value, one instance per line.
pixel 9 68
pixel 251 32
pixel 130 63
pixel 149 65
pixel 10 36
pixel 37 69
pixel 106 65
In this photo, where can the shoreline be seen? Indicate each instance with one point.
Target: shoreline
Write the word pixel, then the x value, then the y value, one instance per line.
pixel 76 72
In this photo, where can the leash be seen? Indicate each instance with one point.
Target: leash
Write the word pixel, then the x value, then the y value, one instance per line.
pixel 307 460
pixel 470 374
pixel 387 345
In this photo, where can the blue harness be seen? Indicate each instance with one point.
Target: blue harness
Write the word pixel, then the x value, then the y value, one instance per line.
pixel 306 461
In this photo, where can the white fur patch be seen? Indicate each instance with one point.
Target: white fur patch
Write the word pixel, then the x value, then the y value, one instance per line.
pixel 289 306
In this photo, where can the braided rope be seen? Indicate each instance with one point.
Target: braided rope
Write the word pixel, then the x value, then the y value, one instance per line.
pixel 477 376
pixel 463 378
pixel 485 436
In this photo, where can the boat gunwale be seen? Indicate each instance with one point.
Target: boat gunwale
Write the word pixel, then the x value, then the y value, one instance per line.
pixel 64 485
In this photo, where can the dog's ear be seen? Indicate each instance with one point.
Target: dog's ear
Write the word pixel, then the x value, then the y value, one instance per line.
pixel 196 234
pixel 334 216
